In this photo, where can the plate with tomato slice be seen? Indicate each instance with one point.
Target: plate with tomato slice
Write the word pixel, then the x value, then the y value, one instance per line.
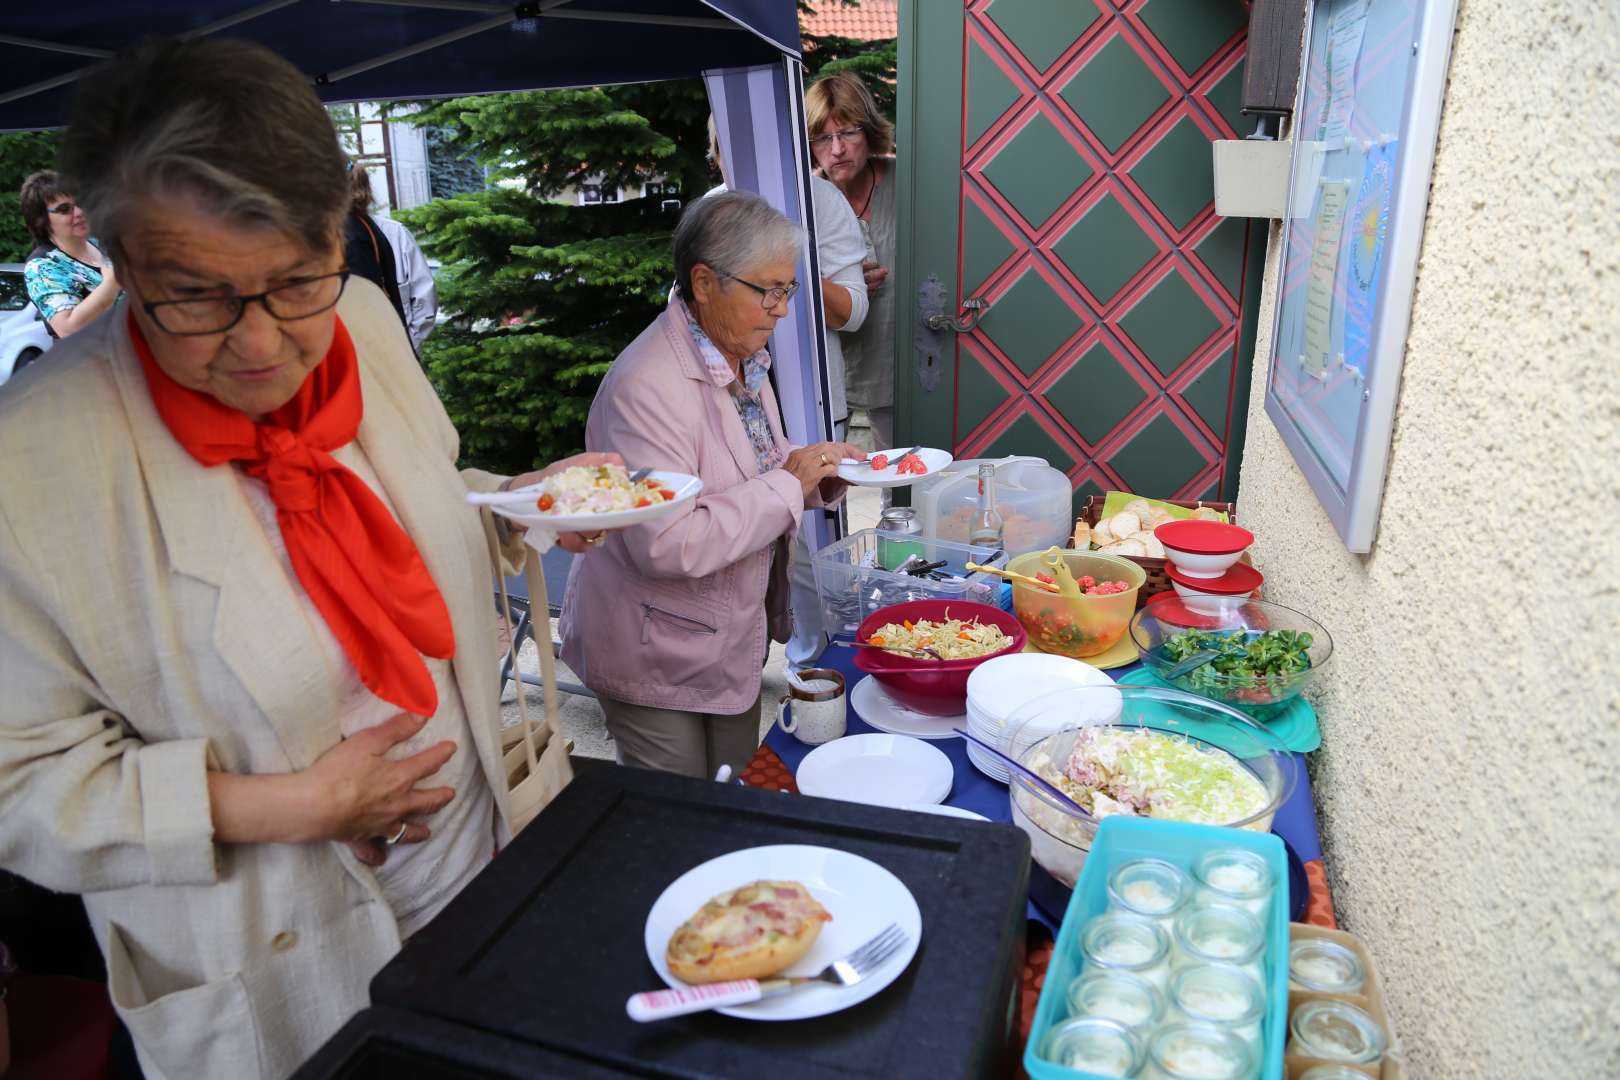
pixel 894 468
pixel 663 492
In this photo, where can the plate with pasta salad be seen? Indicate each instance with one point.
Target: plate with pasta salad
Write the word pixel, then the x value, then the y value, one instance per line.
pixel 588 498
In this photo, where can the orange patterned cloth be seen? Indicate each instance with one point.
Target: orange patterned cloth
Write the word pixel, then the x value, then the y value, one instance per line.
pixel 767 770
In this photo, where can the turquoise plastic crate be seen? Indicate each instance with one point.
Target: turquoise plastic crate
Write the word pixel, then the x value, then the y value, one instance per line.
pixel 1119 840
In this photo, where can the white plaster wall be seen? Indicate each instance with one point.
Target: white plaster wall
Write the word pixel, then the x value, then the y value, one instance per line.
pixel 1470 765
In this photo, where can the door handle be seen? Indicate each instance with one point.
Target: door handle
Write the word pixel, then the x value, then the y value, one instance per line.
pixel 972 311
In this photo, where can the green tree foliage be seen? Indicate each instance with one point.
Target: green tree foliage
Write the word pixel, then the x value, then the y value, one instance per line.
pixel 543 293
pixel 21 152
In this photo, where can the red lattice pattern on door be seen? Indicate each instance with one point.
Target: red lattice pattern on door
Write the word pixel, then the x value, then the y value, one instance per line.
pixel 1132 184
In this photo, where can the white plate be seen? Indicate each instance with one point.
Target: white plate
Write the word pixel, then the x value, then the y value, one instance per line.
pixel 872 701
pixel 524 512
pixel 862 897
pixel 866 476
pixel 1002 685
pixel 988 765
pixel 880 770
pixel 945 811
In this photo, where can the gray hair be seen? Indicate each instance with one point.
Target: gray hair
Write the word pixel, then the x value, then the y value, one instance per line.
pixel 225 123
pixel 731 232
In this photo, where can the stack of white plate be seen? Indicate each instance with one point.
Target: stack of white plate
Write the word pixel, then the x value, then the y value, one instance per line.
pixel 998 688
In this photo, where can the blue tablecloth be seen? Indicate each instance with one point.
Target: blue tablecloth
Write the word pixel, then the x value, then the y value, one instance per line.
pixel 972 790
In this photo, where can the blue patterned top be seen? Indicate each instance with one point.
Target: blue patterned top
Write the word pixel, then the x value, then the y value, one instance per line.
pixel 57 282
pixel 750 403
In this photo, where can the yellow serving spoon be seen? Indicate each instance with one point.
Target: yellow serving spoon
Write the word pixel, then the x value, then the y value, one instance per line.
pixel 1066 585
pixel 1024 579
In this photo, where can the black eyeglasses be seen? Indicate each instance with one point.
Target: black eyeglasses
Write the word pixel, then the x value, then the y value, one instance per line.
pixel 64 209
pixel 768 298
pixel 216 314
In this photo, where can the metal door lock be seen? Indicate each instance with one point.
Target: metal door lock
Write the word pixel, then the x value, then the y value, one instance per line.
pixel 972 311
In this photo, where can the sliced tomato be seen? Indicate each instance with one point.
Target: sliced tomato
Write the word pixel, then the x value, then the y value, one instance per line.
pixel 545 502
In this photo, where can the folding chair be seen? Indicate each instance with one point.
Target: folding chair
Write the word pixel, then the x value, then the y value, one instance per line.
pixel 554 564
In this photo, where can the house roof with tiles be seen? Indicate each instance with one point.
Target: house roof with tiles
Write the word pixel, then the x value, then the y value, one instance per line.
pixel 873 20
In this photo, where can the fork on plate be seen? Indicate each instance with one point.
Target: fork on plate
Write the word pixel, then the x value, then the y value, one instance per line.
pixel 663 1004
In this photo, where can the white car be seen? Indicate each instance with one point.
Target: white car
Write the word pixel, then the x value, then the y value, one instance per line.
pixel 23 337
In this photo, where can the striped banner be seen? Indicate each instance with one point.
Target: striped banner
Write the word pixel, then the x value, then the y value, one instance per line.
pixel 759 114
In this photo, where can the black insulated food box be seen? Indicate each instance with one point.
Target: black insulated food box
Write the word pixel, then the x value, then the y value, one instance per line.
pixel 540 952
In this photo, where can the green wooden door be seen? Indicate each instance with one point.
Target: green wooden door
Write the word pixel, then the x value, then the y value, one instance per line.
pixel 1055 161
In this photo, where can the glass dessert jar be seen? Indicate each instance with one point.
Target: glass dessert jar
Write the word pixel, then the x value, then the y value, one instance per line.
pixel 1119 996
pixel 1335 1031
pixel 1237 877
pixel 1119 942
pixel 1095 1044
pixel 1324 966
pixel 1220 934
pixel 1222 995
pixel 1151 888
pixel 1196 1052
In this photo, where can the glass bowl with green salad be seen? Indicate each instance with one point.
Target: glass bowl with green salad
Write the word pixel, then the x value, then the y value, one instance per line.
pixel 1258 656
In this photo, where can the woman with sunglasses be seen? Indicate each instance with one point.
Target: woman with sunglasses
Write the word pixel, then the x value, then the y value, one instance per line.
pixel 68 277
pixel 251 706
pixel 670 625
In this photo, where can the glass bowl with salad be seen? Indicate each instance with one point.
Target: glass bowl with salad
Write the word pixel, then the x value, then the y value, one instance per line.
pixel 1144 751
pixel 1261 655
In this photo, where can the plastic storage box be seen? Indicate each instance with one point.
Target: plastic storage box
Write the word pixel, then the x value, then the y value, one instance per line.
pixel 852 585
pixel 1119 840
pixel 1034 499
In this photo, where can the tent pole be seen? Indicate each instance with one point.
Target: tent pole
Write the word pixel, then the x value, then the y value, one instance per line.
pixel 202 31
pixel 479 27
pixel 51 46
pixel 699 21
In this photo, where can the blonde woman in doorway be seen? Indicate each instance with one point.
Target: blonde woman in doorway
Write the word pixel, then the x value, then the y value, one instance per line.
pixel 853 144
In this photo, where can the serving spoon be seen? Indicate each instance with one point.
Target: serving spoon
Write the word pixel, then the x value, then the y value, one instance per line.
pixel 1027 773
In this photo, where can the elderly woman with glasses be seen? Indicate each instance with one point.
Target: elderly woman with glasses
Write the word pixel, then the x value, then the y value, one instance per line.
pixel 69 279
pixel 671 624
pixel 246 645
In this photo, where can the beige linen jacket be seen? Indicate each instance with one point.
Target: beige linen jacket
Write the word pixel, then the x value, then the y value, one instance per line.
pixel 148 632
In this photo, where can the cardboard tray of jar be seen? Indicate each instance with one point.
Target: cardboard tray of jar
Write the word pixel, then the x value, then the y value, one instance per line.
pixel 1371 999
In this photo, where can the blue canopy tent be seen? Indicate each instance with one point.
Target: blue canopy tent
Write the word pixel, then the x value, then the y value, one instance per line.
pixel 747 51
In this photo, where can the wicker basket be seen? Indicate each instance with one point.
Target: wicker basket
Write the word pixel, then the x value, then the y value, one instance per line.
pixel 1157 580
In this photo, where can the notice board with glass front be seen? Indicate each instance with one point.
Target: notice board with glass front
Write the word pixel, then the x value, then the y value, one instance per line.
pixel 1364 131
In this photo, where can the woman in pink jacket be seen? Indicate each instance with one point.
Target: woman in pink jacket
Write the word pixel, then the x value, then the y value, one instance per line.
pixel 670 624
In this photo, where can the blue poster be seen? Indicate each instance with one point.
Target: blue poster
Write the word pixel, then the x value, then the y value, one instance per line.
pixel 1368 231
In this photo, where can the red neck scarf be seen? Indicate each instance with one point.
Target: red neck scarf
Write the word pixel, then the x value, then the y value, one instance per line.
pixel 358 566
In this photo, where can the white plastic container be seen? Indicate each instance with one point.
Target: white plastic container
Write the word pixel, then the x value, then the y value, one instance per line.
pixel 1036 502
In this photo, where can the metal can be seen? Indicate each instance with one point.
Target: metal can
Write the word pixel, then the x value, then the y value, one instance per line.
pixel 899 537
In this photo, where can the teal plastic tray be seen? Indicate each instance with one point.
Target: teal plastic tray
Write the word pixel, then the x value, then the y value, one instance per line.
pixel 1119 840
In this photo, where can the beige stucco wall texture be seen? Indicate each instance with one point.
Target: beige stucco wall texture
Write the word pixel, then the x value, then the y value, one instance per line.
pixel 1470 765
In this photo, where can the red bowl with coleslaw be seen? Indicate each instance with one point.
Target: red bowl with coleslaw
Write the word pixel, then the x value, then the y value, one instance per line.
pixel 934 687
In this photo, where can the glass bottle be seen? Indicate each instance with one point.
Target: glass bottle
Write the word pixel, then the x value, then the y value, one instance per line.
pixel 987 525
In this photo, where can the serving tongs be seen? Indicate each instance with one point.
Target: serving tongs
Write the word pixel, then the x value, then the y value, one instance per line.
pixel 924 653
pixel 892 458
pixel 1022 579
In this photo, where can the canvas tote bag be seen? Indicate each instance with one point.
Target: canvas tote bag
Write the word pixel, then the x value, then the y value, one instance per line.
pixel 536 754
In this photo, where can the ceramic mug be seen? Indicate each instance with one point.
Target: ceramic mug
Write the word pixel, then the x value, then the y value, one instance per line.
pixel 818 714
